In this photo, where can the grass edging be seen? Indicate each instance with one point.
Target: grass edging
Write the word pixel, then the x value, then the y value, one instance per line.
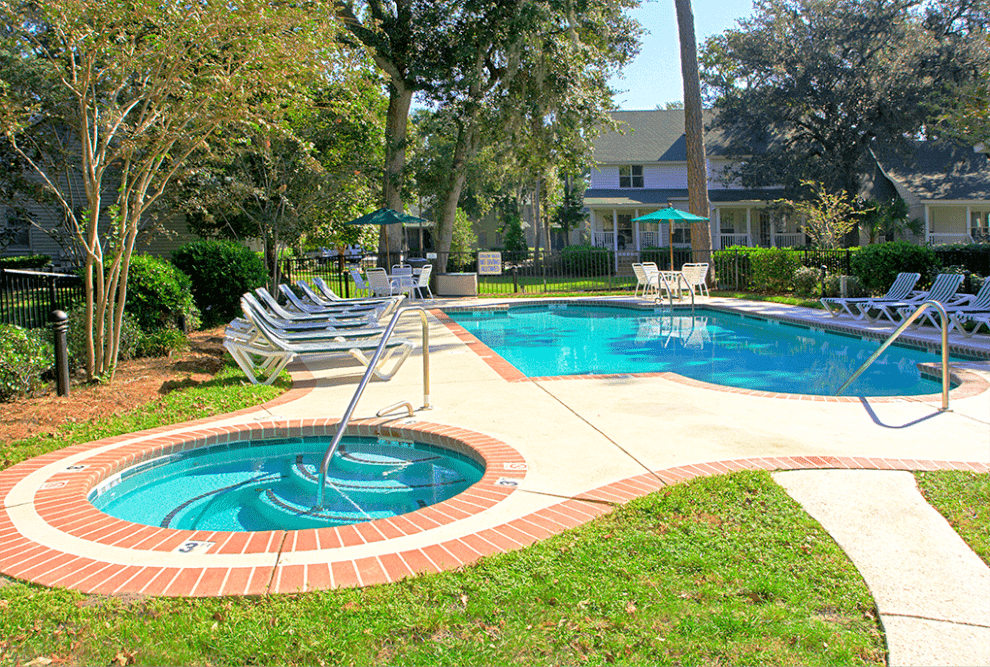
pixel 718 570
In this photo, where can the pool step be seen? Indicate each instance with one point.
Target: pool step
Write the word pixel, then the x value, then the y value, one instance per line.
pixel 365 458
pixel 294 516
pixel 384 483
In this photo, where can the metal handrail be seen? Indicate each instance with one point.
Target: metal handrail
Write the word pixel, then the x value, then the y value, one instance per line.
pixel 907 322
pixel 342 427
pixel 670 292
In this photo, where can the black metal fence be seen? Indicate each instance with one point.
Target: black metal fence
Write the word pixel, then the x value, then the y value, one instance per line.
pixel 27 298
pixel 333 271
pixel 583 269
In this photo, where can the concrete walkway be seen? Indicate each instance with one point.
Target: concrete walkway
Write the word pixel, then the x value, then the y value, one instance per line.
pixel 932 590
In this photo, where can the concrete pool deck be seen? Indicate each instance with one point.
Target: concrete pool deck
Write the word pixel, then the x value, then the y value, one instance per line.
pixel 562 452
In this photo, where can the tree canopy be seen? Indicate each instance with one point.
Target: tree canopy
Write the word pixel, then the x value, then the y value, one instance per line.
pixel 805 88
pixel 136 88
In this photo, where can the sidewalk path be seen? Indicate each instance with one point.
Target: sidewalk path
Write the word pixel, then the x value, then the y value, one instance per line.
pixel 932 590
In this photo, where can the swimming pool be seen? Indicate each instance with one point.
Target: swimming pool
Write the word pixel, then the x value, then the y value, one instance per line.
pixel 271 484
pixel 711 346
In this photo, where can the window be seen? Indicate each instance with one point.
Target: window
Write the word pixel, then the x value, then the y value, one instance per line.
pixel 727 221
pixel 682 234
pixel 631 177
pixel 15 233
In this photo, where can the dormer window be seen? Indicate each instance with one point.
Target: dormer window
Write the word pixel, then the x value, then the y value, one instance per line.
pixel 631 177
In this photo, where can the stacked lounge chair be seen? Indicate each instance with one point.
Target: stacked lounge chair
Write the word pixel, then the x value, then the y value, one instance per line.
pixel 264 342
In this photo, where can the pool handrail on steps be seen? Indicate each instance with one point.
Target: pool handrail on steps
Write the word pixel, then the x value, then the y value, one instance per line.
pixel 342 426
pixel 670 292
pixel 904 325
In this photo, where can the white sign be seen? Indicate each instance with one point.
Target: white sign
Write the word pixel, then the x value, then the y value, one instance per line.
pixel 489 263
pixel 431 255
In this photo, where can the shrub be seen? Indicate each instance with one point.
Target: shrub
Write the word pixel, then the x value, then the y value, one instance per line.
pixel 221 271
pixel 773 269
pixel 162 343
pixel 159 295
pixel 877 265
pixel 25 262
pixel 586 260
pixel 24 358
pixel 833 286
pixel 130 337
pixel 806 281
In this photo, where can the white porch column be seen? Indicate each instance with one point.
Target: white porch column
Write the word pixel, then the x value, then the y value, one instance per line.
pixel 749 228
pixel 636 230
pixel 969 222
pixel 928 225
pixel 717 229
pixel 615 238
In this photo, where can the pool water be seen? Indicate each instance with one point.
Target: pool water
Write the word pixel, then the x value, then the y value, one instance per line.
pixel 711 346
pixel 272 484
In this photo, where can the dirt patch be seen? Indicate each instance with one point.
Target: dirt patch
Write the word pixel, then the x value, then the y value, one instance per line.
pixel 136 382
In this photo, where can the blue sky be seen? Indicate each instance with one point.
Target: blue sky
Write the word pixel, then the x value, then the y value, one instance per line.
pixel 654 77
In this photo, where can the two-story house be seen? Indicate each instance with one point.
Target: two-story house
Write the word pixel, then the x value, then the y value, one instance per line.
pixel 643 167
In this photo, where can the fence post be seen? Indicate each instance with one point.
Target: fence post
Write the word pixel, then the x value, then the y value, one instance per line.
pixel 60 325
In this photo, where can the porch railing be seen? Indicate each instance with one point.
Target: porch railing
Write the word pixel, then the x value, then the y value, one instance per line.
pixel 604 239
pixel 942 239
pixel 788 240
pixel 727 240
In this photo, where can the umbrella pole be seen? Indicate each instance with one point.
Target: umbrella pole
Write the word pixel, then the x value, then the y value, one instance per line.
pixel 670 234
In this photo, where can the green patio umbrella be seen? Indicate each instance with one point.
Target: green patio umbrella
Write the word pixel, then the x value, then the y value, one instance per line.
pixel 385 217
pixel 670 215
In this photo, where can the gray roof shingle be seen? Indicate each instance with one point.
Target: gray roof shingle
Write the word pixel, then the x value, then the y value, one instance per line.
pixel 938 171
pixel 646 137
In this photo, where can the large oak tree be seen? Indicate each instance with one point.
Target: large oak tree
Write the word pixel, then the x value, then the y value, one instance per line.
pixel 806 88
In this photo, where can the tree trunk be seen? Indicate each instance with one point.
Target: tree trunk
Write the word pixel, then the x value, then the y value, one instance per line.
pixel 399 101
pixel 463 149
pixel 694 133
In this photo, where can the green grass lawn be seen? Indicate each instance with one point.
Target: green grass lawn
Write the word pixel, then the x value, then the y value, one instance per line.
pixel 963 498
pixel 720 570
pixel 724 570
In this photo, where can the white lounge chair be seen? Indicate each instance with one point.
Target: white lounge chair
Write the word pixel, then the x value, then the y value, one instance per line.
pixel 296 305
pixel 973 309
pixel 898 291
pixel 311 323
pixel 957 304
pixel 272 304
pixel 257 348
pixel 329 296
pixel 943 290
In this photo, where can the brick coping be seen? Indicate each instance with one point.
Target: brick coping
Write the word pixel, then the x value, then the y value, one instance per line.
pixel 969 384
pixel 82 548
pixel 22 559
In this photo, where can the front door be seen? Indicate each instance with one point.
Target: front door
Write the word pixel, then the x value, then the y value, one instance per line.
pixel 766 225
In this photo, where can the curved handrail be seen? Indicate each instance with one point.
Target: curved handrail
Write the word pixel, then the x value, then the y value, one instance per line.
pixel 670 292
pixel 904 325
pixel 342 427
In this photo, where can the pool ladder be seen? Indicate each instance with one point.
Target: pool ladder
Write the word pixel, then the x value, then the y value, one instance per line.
pixel 342 427
pixel 665 279
pixel 944 318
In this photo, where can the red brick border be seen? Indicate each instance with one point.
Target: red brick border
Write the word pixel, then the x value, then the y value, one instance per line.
pixel 61 502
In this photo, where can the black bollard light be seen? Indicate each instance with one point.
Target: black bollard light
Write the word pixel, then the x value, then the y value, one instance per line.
pixel 967 286
pixel 60 325
pixel 824 268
